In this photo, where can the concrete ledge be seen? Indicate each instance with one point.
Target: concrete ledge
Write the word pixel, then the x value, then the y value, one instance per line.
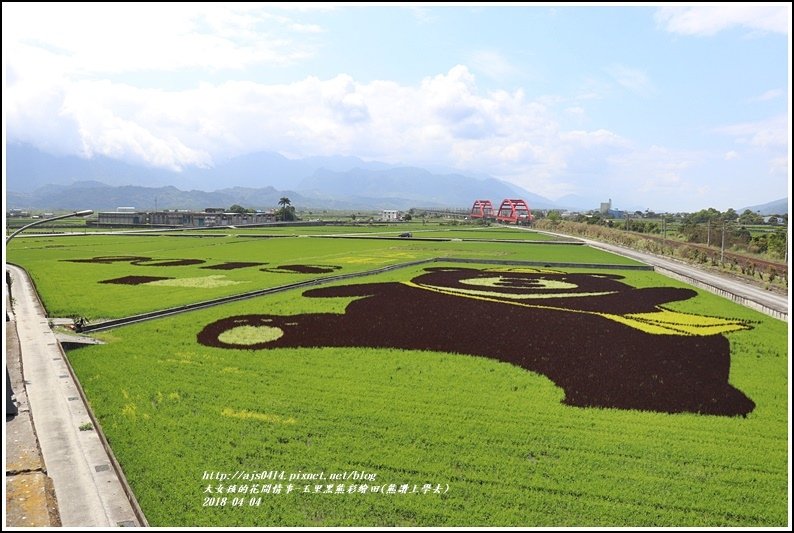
pixel 30 501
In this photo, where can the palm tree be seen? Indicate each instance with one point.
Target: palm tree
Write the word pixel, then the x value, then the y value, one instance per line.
pixel 286 211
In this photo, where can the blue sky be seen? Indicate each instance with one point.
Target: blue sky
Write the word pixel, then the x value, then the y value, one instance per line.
pixel 667 108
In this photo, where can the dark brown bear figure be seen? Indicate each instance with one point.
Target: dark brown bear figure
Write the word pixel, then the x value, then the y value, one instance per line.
pixel 606 344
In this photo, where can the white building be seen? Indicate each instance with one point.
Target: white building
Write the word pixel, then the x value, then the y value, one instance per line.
pixel 390 215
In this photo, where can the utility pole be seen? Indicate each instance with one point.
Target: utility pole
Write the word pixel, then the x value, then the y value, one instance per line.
pixel 722 249
pixel 708 234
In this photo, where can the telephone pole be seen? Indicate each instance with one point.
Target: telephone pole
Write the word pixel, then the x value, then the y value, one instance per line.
pixel 708 233
pixel 722 248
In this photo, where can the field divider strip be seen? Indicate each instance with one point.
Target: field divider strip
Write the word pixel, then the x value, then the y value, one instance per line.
pixel 445 239
pixel 101 326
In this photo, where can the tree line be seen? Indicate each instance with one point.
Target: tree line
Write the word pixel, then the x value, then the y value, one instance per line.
pixel 285 211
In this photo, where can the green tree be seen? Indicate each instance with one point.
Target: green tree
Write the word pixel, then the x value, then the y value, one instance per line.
pixel 777 243
pixel 748 217
pixel 286 212
pixel 730 215
pixel 238 209
pixel 595 219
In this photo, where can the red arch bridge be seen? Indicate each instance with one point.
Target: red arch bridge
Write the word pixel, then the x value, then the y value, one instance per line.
pixel 511 211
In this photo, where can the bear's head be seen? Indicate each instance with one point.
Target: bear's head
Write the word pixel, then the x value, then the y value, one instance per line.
pixel 520 283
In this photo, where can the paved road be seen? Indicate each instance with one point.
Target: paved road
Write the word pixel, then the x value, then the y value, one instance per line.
pixel 30 497
pixel 87 488
pixel 750 293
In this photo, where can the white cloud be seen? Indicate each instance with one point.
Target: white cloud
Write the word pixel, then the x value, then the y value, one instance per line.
pixel 730 155
pixel 591 139
pixel 707 20
pixel 657 172
pixel 771 94
pixel 779 165
pixel 444 119
pixel 635 80
pixel 492 64
pixel 307 28
pixel 769 133
pixel 119 37
pixel 422 15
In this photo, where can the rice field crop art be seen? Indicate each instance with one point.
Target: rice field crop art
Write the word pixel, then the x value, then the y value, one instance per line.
pixel 102 277
pixel 605 343
pixel 232 389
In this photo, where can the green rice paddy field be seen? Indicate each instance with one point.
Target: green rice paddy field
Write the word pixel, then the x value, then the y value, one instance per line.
pixel 451 439
pixel 69 276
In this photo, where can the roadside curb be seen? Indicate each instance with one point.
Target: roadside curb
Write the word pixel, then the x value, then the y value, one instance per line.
pixel 89 484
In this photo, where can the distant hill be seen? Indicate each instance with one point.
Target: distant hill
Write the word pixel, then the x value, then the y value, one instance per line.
pixel 102 197
pixel 36 179
pixel 411 186
pixel 28 168
pixel 775 207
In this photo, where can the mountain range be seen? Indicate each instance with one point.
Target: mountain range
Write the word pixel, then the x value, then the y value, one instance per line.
pixel 39 180
pixel 36 179
pixel 775 207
